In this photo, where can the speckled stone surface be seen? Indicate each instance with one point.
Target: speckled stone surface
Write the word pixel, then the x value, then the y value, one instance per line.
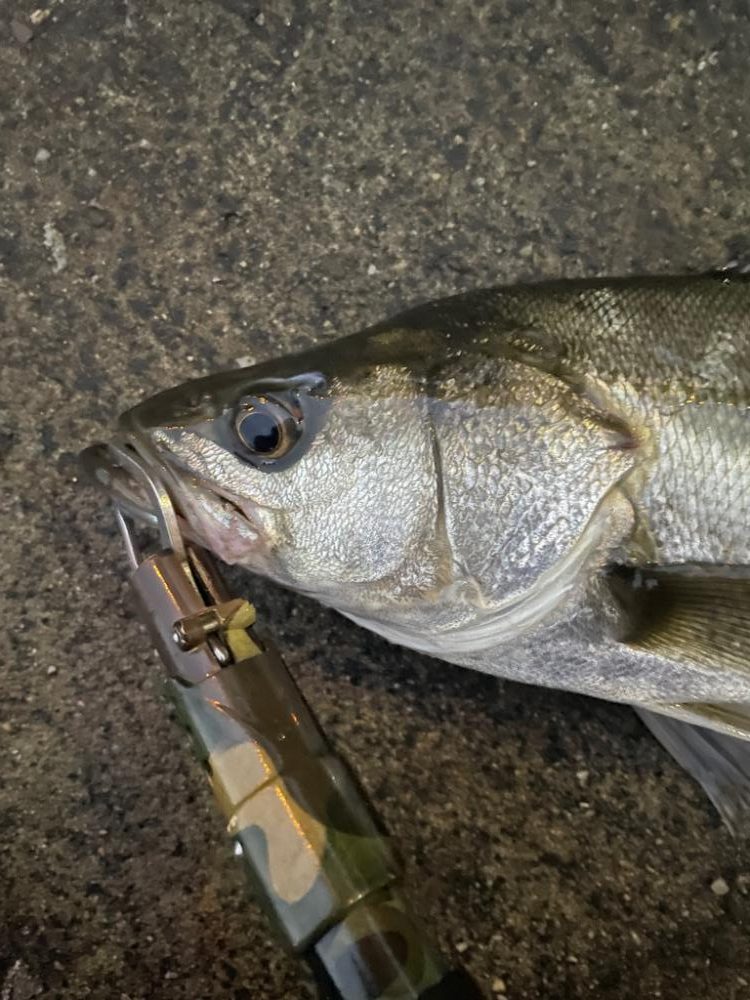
pixel 186 183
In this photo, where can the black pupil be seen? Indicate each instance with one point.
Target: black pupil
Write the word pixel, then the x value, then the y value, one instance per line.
pixel 260 431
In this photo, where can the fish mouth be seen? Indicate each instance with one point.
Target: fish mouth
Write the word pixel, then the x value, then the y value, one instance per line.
pixel 227 525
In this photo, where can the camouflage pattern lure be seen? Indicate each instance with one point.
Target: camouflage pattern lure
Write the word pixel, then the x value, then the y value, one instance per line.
pixel 319 862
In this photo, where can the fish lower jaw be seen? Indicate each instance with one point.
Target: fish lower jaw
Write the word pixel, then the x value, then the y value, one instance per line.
pixel 236 548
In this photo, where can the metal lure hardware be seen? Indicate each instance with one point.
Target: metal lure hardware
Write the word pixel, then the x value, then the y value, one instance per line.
pixel 318 860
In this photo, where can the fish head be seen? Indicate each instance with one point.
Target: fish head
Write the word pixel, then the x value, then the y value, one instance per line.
pixel 320 477
pixel 393 487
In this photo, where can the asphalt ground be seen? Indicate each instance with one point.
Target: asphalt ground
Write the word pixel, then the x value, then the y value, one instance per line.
pixel 183 184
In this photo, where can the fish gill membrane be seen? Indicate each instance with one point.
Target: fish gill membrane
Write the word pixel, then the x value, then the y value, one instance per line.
pixel 549 483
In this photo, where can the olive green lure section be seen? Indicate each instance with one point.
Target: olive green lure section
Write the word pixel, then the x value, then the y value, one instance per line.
pixel 311 846
pixel 379 952
pixel 319 862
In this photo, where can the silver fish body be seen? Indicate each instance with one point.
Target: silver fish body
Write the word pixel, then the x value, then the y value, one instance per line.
pixel 549 483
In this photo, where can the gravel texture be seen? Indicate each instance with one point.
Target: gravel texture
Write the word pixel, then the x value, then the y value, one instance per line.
pixel 186 183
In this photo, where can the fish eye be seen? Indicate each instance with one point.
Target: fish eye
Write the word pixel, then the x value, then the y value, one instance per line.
pixel 266 428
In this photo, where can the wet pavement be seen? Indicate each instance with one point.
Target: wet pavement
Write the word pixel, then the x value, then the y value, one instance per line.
pixel 186 184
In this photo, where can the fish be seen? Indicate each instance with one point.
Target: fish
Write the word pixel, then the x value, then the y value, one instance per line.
pixel 546 482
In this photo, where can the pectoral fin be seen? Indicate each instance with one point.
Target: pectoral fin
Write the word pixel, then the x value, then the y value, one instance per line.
pixel 698 614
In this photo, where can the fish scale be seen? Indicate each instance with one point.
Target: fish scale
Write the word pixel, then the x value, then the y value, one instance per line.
pixel 697 500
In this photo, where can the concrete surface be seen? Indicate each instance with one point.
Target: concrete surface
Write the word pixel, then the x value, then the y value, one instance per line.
pixel 185 183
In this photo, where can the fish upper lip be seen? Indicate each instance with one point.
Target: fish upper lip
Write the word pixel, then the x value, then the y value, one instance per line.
pixel 180 479
pixel 238 504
